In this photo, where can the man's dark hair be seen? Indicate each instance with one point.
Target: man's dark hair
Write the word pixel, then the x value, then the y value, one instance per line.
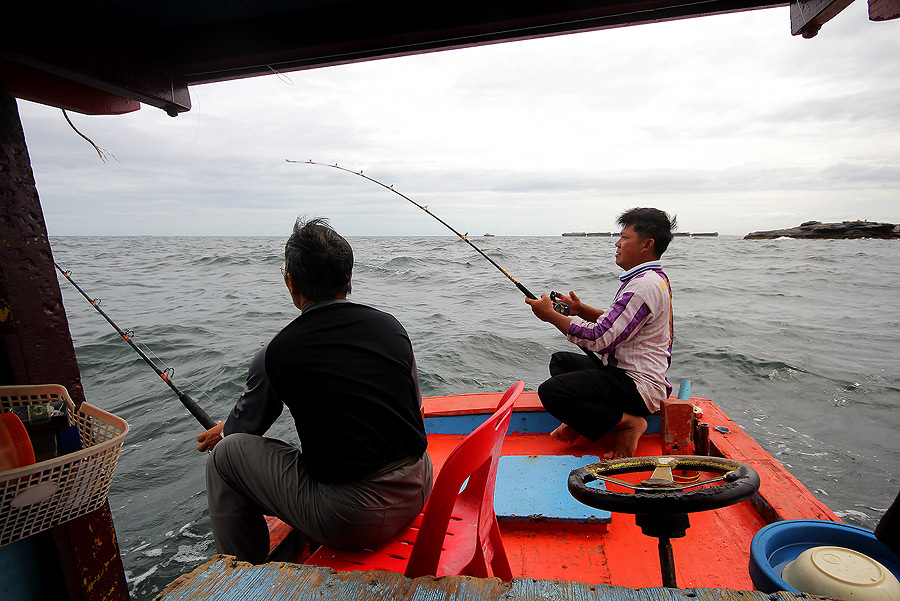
pixel 319 260
pixel 650 223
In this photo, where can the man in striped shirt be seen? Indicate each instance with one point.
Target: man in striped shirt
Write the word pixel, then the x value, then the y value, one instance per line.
pixel 633 337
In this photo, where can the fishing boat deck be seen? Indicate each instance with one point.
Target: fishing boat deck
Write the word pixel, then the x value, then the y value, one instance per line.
pixel 552 546
pixel 714 553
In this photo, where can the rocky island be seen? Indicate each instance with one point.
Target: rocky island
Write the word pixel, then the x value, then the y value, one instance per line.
pixel 842 230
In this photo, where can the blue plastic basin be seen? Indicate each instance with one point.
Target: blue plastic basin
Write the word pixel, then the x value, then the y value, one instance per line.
pixel 778 544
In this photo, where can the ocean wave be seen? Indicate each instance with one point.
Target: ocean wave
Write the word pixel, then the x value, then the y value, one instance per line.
pixel 220 260
pixel 749 365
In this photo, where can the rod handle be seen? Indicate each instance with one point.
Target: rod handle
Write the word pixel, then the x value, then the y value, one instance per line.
pixel 525 291
pixel 561 308
pixel 196 410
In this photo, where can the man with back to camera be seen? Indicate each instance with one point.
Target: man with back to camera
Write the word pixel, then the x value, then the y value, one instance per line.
pixel 348 376
pixel 634 338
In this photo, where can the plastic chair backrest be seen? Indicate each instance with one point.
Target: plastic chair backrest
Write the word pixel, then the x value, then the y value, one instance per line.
pixel 473 463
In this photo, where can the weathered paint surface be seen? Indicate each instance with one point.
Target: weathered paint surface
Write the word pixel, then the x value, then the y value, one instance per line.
pixel 884 10
pixel 714 553
pixel 462 413
pixel 89 556
pixel 224 579
pixel 527 490
pixel 36 348
pixel 35 345
pixel 677 427
pixel 480 402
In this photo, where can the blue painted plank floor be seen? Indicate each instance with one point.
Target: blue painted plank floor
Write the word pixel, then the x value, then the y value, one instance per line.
pixel 224 579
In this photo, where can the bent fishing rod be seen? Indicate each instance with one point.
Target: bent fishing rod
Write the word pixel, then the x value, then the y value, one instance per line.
pixel 196 410
pixel 558 307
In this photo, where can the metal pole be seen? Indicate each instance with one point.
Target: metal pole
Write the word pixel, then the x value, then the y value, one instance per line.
pixel 667 562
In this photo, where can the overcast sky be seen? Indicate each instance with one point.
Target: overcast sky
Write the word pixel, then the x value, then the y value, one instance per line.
pixel 729 122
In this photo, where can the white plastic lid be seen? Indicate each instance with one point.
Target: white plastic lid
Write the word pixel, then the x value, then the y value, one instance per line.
pixel 842 573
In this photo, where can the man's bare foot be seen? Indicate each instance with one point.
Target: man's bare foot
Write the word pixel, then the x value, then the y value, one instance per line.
pixel 565 433
pixel 628 432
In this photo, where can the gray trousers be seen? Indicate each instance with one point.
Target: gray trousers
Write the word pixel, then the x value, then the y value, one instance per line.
pixel 248 477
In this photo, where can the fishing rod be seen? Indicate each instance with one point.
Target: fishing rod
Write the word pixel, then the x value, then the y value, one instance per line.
pixel 196 410
pixel 558 307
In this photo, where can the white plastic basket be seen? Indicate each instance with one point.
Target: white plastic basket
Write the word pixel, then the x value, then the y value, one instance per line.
pixel 43 495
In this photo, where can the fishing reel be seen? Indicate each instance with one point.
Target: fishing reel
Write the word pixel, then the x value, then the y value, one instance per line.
pixel 561 308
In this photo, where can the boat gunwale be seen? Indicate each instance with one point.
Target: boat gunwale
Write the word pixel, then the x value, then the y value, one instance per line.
pixel 781 496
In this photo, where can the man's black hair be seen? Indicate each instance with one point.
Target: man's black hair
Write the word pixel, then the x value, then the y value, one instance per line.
pixel 319 260
pixel 650 223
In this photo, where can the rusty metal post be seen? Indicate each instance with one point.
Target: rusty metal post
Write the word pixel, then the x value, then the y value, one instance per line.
pixel 667 563
pixel 36 348
pixel 665 527
pixel 702 439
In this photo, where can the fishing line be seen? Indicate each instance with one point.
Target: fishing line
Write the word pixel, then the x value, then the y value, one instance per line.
pixel 559 307
pixel 196 410
pixel 169 371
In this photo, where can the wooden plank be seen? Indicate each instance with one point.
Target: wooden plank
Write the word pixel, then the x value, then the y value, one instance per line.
pixel 462 413
pixel 224 579
pixel 528 421
pixel 528 489
pixel 884 10
pixel 39 86
pixel 808 16
pixel 463 404
pixel 563 552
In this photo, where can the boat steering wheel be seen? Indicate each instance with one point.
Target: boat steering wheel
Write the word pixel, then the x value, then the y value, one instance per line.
pixel 661 494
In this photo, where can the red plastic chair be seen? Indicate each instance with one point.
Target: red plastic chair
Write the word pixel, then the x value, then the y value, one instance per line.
pixel 457 532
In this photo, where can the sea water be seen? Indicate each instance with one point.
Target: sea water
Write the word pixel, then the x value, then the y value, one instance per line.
pixel 797 340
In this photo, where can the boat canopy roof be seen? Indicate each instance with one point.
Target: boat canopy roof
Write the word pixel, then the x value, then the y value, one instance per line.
pixel 107 56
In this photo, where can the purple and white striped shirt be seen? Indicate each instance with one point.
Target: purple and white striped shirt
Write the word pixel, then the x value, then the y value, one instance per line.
pixel 636 332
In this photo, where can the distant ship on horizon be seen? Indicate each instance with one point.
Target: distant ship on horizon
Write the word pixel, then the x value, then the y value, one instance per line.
pixel 610 234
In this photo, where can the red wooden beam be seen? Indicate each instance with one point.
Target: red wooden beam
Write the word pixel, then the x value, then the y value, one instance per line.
pixel 808 16
pixel 39 86
pixel 884 10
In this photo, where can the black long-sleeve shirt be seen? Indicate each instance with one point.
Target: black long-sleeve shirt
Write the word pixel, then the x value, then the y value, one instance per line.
pixel 348 376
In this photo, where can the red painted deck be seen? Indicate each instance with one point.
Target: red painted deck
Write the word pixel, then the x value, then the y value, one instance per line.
pixel 715 552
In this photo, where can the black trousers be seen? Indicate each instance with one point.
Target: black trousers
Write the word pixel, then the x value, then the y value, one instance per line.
pixel 587 397
pixel 888 528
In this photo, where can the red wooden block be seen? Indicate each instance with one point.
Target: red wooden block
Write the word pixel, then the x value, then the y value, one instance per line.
pixel 677 427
